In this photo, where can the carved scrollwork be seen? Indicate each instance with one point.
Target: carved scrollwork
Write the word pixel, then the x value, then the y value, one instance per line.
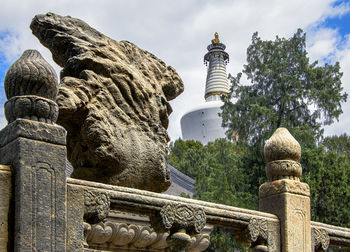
pixel 97 205
pixel 320 239
pixel 257 228
pixel 183 217
pixel 120 235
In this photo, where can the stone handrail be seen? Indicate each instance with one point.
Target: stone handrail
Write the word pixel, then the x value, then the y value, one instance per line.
pixel 249 225
pixel 333 235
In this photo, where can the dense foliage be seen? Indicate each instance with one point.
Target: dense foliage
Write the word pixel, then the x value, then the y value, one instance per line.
pixel 327 171
pixel 218 170
pixel 339 144
pixel 285 90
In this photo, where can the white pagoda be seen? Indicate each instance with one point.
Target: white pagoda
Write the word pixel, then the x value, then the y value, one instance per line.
pixel 203 123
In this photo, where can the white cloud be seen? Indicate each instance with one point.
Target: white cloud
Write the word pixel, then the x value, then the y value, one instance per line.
pixel 3 121
pixel 343 56
pixel 339 10
pixel 179 31
pixel 322 43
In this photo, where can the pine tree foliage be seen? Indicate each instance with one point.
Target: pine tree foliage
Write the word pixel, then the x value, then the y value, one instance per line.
pixel 285 90
pixel 218 170
pixel 328 175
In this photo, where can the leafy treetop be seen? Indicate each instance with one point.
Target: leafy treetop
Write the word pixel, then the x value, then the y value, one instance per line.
pixel 286 91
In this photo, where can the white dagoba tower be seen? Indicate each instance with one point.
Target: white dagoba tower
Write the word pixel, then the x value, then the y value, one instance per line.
pixel 203 123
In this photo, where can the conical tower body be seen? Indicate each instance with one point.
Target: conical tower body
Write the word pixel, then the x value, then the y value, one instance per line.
pixel 203 122
pixel 217 82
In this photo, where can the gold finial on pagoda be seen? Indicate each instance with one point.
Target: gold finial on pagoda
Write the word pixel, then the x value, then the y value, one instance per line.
pixel 216 40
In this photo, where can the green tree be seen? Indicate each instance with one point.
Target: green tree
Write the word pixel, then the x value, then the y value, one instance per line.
pixel 285 90
pixel 187 156
pixel 328 175
pixel 339 144
pixel 217 169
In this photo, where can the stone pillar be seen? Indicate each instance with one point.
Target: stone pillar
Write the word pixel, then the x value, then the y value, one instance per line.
pixel 284 195
pixel 35 150
pixel 5 196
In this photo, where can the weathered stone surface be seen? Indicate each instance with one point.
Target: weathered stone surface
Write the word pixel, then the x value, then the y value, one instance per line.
pixel 283 186
pixel 136 237
pixel 282 145
pixel 282 153
pixel 31 87
pixel 293 211
pixel 31 75
pixel 284 195
pixel 5 196
pixel 36 152
pixel 149 204
pixel 257 228
pixel 75 218
pixel 113 101
pixel 97 205
pixel 325 235
pixel 283 169
pixel 180 216
pixel 32 130
pixel 39 186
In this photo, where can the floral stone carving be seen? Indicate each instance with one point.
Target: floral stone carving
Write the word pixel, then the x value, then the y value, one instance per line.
pixel 183 217
pixel 31 75
pixel 282 146
pixel 257 228
pixel 320 238
pixel 182 222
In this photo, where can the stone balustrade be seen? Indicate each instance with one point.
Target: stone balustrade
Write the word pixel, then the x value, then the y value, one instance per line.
pixel 129 207
pixel 42 210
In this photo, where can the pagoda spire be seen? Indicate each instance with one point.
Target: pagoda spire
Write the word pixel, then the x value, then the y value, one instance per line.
pixel 216 59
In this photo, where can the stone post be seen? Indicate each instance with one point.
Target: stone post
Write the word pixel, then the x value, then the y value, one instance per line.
pixel 5 196
pixel 284 195
pixel 35 150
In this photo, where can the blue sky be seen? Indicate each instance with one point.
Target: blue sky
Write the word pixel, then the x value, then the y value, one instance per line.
pixel 341 23
pixel 179 31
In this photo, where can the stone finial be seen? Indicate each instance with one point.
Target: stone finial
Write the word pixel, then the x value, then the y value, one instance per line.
pixel 282 154
pixel 31 75
pixel 31 89
pixel 282 145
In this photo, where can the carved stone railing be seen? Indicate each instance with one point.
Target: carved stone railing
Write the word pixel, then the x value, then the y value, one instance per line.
pixel 126 217
pixel 324 235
